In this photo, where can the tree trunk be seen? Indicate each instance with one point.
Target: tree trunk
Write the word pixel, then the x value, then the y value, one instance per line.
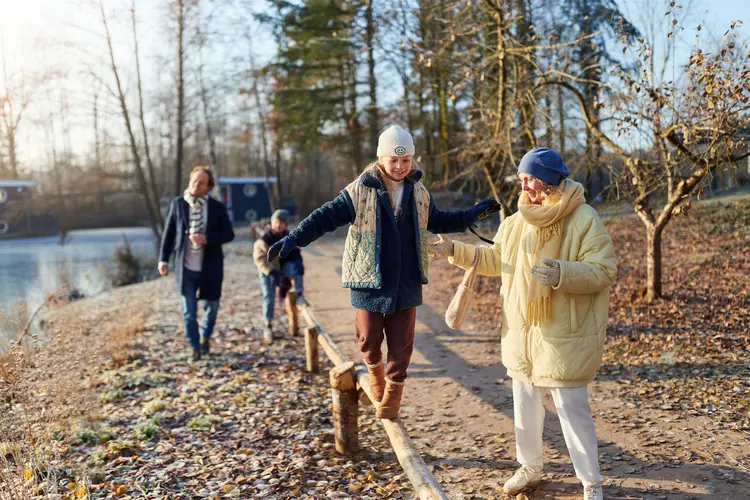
pixel 443 146
pixel 98 157
pixel 561 122
pixel 263 136
pixel 277 186
pixel 407 102
pixel 427 156
pixel 177 186
pixel 349 80
pixel 2 158
pixel 140 176
pixel 12 153
pixel 373 108
pixel 153 191
pixel 209 130
pixel 524 73
pixel 653 263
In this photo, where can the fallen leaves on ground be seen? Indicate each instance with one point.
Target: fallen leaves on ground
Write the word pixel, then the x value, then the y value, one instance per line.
pixel 245 422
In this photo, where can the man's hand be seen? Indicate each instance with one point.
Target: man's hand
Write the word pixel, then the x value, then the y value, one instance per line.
pixel 549 274
pixel 163 268
pixel 198 239
pixel 441 248
pixel 281 248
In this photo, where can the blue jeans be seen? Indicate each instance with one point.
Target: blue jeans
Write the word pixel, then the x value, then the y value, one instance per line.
pixel 189 306
pixel 291 270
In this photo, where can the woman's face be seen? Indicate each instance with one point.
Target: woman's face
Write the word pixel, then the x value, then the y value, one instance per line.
pixel 533 187
pixel 397 167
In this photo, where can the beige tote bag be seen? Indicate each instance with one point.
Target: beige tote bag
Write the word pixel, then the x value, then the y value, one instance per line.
pixel 461 302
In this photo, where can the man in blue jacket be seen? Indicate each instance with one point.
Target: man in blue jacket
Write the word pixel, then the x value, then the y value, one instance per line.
pixel 196 228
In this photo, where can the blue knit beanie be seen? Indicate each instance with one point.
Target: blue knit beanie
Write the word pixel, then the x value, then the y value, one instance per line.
pixel 544 164
pixel 282 215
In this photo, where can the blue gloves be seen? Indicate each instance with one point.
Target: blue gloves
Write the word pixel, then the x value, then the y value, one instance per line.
pixel 480 211
pixel 281 248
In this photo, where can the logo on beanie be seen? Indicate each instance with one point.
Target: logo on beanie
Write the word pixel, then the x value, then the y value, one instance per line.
pixel 400 151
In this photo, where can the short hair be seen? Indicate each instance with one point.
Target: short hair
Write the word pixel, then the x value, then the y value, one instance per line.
pixel 208 171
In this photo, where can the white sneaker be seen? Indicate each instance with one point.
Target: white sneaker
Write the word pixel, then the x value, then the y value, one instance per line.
pixel 268 333
pixel 593 492
pixel 523 478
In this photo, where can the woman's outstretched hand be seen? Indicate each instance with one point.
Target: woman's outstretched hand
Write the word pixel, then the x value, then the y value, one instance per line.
pixel 548 274
pixel 440 249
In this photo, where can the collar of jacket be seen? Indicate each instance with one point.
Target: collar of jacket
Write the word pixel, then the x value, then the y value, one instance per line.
pixel 371 179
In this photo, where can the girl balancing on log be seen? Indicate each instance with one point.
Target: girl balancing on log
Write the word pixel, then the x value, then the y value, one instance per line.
pixel 385 261
pixel 557 263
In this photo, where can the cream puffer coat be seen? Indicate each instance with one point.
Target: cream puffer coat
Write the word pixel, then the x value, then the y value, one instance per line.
pixel 565 350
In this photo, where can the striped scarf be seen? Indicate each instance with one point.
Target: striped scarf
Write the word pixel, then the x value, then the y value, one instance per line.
pixel 196 216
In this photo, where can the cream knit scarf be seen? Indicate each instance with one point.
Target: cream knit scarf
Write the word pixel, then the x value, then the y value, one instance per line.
pixel 197 224
pixel 540 228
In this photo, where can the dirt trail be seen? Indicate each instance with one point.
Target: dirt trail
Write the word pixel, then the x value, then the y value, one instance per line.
pixel 458 408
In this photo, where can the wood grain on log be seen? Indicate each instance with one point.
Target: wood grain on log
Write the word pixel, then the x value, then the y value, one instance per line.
pixel 345 408
pixel 311 349
pixel 291 311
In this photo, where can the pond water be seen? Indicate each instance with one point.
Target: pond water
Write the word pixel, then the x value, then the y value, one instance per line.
pixel 32 268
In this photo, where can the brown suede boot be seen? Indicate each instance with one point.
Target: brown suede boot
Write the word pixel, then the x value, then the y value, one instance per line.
pixel 377 380
pixel 391 403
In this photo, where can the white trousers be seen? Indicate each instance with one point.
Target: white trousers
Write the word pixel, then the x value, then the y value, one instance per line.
pixel 577 425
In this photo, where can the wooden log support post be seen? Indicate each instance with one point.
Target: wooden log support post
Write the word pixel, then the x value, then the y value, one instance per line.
pixel 291 311
pixel 311 349
pixel 345 408
pixel 419 474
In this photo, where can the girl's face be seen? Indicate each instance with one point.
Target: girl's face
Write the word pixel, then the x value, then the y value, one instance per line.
pixel 533 187
pixel 397 167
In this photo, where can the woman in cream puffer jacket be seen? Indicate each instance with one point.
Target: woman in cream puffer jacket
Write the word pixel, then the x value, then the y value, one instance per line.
pixel 556 262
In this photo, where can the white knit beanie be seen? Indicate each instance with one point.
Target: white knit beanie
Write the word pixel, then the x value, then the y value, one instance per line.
pixel 395 141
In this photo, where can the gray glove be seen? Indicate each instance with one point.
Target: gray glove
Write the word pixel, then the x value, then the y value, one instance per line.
pixel 441 249
pixel 549 274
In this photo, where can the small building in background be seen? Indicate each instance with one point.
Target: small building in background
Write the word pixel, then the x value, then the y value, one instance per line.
pixel 248 198
pixel 15 198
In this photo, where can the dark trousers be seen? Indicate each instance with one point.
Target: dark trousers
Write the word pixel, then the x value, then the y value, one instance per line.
pixel 398 331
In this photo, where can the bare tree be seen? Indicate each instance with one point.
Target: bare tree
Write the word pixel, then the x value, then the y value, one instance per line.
pixel 260 112
pixel 201 42
pixel 136 158
pixel 153 191
pixel 180 124
pixel 372 108
pixel 14 101
pixel 693 125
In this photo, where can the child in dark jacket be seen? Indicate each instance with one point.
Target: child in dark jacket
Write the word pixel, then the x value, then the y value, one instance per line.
pixel 385 259
pixel 280 271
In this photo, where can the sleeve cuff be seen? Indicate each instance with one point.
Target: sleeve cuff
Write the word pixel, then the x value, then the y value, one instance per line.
pixel 562 275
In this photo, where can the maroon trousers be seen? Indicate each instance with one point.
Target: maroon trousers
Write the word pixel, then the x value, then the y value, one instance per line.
pixel 398 331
